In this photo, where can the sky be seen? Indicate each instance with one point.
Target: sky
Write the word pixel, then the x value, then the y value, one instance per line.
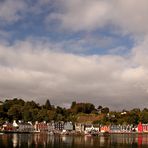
pixel 75 50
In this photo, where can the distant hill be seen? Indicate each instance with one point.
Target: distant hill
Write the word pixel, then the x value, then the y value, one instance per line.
pixel 88 118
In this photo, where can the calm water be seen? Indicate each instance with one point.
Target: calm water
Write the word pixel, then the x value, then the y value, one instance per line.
pixel 45 140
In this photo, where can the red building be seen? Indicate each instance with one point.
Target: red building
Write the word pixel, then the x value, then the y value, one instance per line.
pixel 41 126
pixel 8 127
pixel 140 127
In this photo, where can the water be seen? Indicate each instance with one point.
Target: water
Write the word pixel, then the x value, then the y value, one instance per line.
pixel 46 140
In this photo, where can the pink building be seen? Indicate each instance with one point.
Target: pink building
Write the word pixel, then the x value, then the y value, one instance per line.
pixel 145 128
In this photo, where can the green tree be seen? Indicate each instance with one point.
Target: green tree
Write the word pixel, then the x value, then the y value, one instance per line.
pixel 134 116
pixel 27 115
pixel 59 110
pixel 88 108
pixel 82 108
pixel 31 105
pixel 73 104
pixel 99 107
pixel 144 116
pixel 48 105
pixel 15 112
pixel 42 115
pixel 34 113
pixel 51 114
pixel 105 110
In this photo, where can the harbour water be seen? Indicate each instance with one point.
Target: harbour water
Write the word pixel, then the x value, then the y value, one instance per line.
pixel 45 140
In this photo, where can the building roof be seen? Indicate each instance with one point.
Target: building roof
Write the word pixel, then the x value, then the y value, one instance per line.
pixel 96 125
pixel 24 124
pixel 88 125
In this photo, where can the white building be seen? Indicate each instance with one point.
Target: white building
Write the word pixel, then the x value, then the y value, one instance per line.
pixel 91 127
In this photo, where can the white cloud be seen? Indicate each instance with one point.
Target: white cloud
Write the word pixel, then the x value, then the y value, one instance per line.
pixel 10 10
pixel 133 74
pixel 30 69
pixel 140 51
pixel 81 14
pixel 131 15
pixel 40 69
pixel 128 15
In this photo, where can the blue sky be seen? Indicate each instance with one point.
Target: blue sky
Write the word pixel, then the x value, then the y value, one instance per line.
pixel 93 51
pixel 32 23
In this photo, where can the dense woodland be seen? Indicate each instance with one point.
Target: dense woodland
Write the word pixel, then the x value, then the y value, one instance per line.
pixel 18 109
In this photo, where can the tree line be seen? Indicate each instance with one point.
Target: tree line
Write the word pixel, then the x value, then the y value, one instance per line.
pixel 18 109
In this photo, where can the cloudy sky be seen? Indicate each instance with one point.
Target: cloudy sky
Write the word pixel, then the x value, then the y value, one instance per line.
pixel 85 50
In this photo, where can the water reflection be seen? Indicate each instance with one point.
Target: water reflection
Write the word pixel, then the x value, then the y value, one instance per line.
pixel 46 140
pixel 15 140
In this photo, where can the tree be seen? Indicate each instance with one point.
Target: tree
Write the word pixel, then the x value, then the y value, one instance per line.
pixel 42 115
pixel 48 105
pixel 82 108
pixel 15 112
pixel 144 116
pixel 88 108
pixel 133 118
pixel 51 115
pixel 73 104
pixel 34 113
pixel 31 105
pixel 59 117
pixel 9 103
pixel 27 116
pixel 1 111
pixel 99 107
pixel 59 110
pixel 105 110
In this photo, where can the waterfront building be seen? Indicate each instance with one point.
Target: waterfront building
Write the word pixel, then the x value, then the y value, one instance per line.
pixel 41 126
pixel 50 126
pixel 104 129
pixel 68 126
pixel 96 127
pixel 59 126
pixel 115 128
pixel 79 127
pixel 145 128
pixel 121 128
pixel 90 128
pixel 15 124
pixel 8 127
pixel 25 127
pixel 140 127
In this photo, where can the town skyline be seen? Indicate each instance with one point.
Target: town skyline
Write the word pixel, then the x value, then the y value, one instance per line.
pixel 75 50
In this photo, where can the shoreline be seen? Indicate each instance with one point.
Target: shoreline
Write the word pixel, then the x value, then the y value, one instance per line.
pixel 70 134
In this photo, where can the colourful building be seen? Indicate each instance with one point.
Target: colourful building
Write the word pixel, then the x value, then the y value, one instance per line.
pixel 104 129
pixel 140 127
pixel 145 128
pixel 41 126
